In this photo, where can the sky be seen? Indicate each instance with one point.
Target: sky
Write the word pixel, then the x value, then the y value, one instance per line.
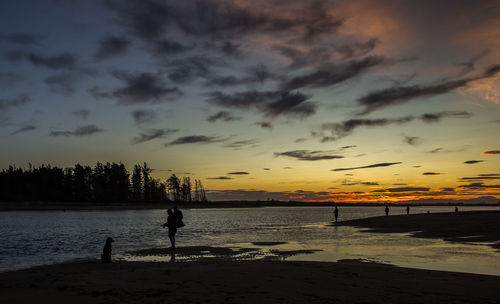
pixel 346 101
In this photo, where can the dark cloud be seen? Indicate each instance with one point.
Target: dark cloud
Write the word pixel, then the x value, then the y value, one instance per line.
pixel 6 104
pixel 147 19
pixel 24 129
pixel 62 61
pixel 335 131
pixel 164 47
pixel 81 114
pixel 412 140
pixel 403 189
pixel 238 173
pixel 369 166
pixel 195 139
pixel 491 152
pixel 470 162
pixel 480 177
pixel 436 117
pixel 151 134
pixel 267 169
pixel 63 83
pixel 79 131
pixel 479 186
pixel 222 115
pixel 356 183
pixel 241 143
pixel 348 147
pixel 443 150
pixel 331 74
pixel 271 103
pixel 402 94
pixel 220 177
pixel 143 116
pixel 142 88
pixel 299 140
pixel 447 189
pixel 309 155
pixel 112 46
pixel 431 173
pixel 24 39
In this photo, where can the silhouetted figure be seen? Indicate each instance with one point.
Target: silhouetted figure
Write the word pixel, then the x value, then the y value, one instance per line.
pixel 456 209
pixel 171 224
pixel 178 217
pixel 407 209
pixel 386 210
pixel 106 251
pixel 336 213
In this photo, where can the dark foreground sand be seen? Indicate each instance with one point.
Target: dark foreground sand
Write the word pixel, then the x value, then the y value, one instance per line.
pixel 470 226
pixel 243 282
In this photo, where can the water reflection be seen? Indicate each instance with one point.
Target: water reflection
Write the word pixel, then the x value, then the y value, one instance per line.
pixel 35 238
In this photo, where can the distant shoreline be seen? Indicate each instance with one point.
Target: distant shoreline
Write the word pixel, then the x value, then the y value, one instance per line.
pixel 82 206
pixel 79 206
pixel 462 227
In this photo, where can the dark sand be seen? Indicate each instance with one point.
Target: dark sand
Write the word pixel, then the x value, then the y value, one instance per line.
pixel 243 282
pixel 465 227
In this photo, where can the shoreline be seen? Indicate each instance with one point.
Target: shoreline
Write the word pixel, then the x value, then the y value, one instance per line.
pixel 345 281
pixel 89 206
pixel 461 227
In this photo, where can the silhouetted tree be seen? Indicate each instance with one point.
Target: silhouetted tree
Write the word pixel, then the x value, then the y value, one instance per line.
pixel 146 171
pixel 137 189
pixel 186 189
pixel 173 184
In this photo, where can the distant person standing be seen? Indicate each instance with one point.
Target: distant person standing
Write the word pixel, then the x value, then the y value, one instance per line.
pixel 407 209
pixel 456 209
pixel 386 210
pixel 171 224
pixel 336 214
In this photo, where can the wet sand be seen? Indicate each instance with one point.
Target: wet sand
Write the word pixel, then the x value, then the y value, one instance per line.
pixel 465 227
pixel 347 281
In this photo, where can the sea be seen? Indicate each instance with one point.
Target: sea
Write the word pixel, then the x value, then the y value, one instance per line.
pixel 33 238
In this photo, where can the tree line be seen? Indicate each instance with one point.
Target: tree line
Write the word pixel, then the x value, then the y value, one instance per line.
pixel 110 182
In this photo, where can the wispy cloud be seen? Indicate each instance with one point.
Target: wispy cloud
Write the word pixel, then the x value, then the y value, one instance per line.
pixel 470 162
pixel 491 152
pixel 222 115
pixel 368 167
pixel 309 155
pixel 143 116
pixel 220 177
pixel 238 173
pixel 79 131
pixel 431 173
pixel 195 139
pixel 398 95
pixel 24 129
pixel 151 134
pixel 112 46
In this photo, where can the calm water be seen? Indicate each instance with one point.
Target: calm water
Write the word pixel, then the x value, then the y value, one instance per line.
pixel 36 238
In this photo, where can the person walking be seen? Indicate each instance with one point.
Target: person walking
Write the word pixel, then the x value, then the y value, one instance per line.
pixel 407 209
pixel 386 210
pixel 171 224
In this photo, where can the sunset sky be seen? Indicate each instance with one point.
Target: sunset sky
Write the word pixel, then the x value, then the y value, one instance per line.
pixel 285 99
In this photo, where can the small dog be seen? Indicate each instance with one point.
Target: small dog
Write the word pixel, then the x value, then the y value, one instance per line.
pixel 106 251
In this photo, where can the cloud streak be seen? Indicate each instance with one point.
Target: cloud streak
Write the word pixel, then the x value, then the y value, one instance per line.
pixel 195 139
pixel 151 134
pixel 79 131
pixel 308 155
pixel 368 167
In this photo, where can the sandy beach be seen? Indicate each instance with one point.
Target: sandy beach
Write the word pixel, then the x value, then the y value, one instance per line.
pixel 469 227
pixel 347 281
